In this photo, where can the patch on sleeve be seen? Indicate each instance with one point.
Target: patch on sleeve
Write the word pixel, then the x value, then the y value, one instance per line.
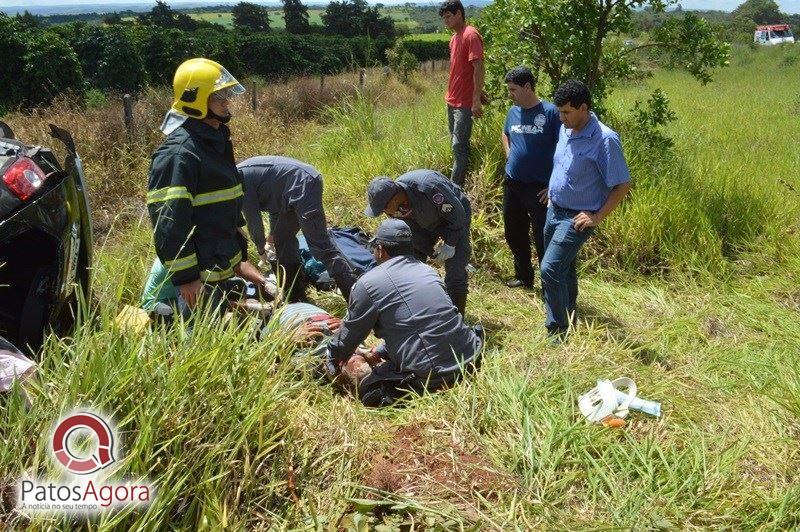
pixel 446 207
pixel 438 198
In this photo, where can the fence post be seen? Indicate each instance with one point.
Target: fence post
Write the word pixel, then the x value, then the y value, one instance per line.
pixel 254 99
pixel 127 109
pixel 321 82
pixel 362 74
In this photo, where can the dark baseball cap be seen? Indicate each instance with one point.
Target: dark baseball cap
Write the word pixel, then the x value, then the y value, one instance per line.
pixel 379 192
pixel 392 231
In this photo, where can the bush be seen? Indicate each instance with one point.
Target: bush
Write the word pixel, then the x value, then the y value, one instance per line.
pixel 121 67
pixel 124 58
pixel 95 99
pixel 402 62
pixel 51 67
pixel 426 50
pixel 11 72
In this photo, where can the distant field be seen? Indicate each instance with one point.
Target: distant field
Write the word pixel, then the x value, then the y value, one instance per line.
pixel 430 36
pixel 402 18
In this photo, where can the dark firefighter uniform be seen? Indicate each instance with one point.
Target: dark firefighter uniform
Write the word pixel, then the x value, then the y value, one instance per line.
pixel 195 203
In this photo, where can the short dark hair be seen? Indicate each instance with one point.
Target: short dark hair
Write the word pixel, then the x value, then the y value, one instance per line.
pixel 520 76
pixel 573 92
pixel 452 6
pixel 396 249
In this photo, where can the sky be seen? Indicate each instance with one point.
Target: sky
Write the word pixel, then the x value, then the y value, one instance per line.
pixel 788 6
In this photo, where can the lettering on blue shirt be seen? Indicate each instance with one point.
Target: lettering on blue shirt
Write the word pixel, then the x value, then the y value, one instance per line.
pixel 586 166
pixel 532 136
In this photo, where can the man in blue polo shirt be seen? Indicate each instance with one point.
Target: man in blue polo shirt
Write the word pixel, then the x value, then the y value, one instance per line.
pixel 590 178
pixel 529 140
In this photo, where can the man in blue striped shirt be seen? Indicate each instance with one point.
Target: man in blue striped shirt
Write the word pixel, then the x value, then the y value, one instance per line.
pixel 590 178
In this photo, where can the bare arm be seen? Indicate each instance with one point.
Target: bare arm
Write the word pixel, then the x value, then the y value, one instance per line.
pixel 506 146
pixel 478 76
pixel 585 219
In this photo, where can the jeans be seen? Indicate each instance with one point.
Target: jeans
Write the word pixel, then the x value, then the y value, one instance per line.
pixel 523 213
pixel 559 273
pixel 459 122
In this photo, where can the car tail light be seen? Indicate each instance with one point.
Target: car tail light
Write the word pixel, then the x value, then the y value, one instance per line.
pixel 24 178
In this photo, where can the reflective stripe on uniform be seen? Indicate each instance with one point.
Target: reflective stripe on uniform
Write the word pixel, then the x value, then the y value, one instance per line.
pixel 221 275
pixel 183 263
pixel 206 198
pixel 168 193
pixel 226 194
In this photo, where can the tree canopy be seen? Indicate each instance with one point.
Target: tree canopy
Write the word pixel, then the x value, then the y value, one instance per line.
pixel 568 39
pixel 250 16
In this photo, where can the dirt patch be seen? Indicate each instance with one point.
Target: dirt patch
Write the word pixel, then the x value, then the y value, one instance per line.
pixel 789 300
pixel 415 467
pixel 715 328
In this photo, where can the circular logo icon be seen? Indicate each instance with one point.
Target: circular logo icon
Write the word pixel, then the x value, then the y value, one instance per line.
pixel 99 457
pixel 540 120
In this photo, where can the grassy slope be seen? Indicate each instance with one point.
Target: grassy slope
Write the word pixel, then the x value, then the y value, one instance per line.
pixel 219 420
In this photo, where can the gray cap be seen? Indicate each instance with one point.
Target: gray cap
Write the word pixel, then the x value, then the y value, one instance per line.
pixel 379 192
pixel 392 231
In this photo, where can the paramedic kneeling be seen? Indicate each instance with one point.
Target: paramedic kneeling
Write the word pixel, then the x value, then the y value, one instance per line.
pixel 426 345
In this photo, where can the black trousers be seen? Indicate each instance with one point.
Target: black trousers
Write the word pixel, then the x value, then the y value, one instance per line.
pixel 523 213
pixel 387 384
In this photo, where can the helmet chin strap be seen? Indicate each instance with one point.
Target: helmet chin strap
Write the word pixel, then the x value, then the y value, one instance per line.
pixel 222 119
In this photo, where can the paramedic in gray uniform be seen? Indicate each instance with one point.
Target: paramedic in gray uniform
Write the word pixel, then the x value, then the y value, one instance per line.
pixel 434 207
pixel 426 345
pixel 291 192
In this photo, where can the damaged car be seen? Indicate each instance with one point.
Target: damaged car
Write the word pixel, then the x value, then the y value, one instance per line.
pixel 45 239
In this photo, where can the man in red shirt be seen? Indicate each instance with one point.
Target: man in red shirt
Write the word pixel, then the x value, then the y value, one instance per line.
pixel 465 86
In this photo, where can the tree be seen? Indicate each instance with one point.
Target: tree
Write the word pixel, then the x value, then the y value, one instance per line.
pixel 251 16
pixel 12 42
pixel 351 18
pixel 121 67
pixel 27 20
pixel 759 12
pixel 752 13
pixel 112 19
pixel 165 17
pixel 295 14
pixel 570 39
pixel 50 68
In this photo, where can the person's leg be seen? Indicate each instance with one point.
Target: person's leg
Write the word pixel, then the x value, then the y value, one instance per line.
pixel 386 385
pixel 572 285
pixel 538 215
pixel 516 225
pixel 455 274
pixel 287 252
pixel 462 130
pixel 311 217
pixel 563 244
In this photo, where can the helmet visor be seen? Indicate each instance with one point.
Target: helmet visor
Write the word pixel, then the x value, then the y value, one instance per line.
pixel 226 87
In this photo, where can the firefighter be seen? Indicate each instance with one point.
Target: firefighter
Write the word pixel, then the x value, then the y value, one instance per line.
pixel 194 190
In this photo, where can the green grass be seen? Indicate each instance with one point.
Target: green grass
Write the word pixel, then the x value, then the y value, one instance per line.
pixel 439 36
pixel 236 438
